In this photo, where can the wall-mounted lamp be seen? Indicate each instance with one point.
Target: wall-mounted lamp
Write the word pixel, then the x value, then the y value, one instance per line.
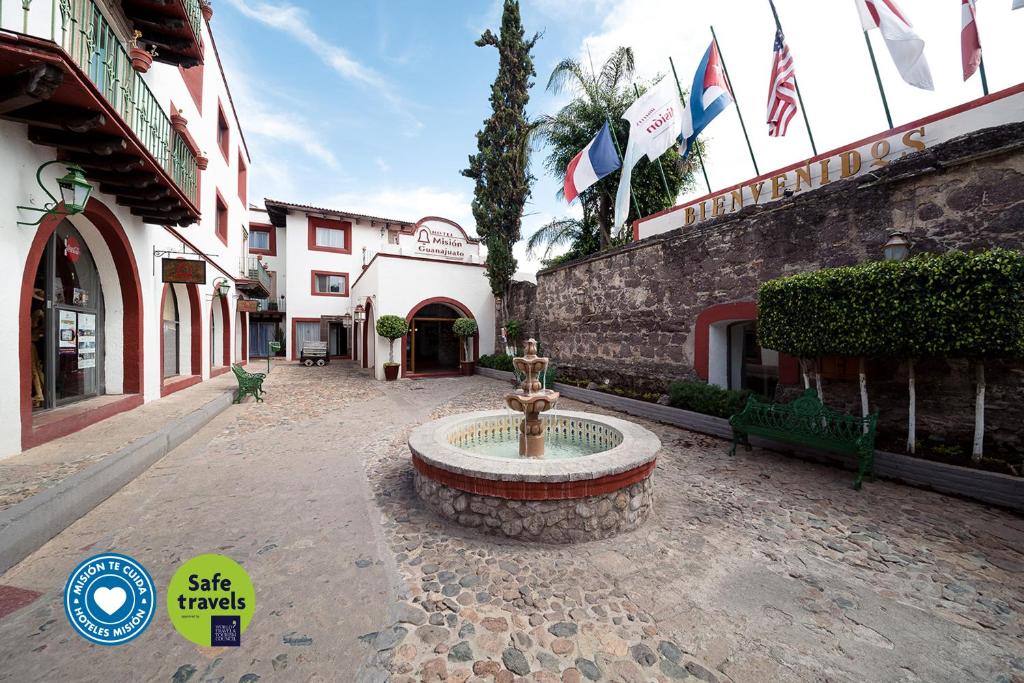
pixel 346 320
pixel 221 287
pixel 74 193
pixel 897 248
pixel 360 314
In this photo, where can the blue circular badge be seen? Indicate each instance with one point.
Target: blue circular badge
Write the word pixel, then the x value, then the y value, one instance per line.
pixel 109 599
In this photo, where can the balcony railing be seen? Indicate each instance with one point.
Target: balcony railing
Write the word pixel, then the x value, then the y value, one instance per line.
pixel 252 268
pixel 195 16
pixel 85 34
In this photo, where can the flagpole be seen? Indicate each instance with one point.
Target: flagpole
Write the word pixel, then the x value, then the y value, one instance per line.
pixel 696 147
pixel 981 68
pixel 878 78
pixel 664 180
pixel 796 84
pixel 737 102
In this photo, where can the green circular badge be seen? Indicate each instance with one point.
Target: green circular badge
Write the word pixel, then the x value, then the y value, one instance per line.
pixel 210 600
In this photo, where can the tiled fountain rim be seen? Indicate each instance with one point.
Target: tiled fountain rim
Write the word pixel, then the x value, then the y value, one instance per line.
pixel 429 442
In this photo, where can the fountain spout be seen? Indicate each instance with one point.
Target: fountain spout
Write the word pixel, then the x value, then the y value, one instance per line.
pixel 531 399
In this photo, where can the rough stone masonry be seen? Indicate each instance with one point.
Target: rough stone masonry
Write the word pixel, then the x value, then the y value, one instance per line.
pixel 628 315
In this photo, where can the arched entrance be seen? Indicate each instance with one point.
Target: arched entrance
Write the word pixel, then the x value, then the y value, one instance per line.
pixel 181 349
pixel 80 325
pixel 369 336
pixel 431 347
pixel 220 336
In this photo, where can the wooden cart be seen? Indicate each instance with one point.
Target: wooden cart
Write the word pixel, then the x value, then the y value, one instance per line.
pixel 314 353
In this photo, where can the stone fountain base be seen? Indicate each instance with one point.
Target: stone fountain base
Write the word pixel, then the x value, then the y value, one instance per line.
pixel 547 521
pixel 555 501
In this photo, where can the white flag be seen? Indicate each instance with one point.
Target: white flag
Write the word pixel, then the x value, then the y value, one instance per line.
pixel 906 48
pixel 1017 4
pixel 655 121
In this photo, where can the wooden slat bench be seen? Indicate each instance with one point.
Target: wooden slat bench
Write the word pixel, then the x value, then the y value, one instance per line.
pixel 249 383
pixel 809 422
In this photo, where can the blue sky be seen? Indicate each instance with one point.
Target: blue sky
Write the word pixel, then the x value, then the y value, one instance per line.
pixel 373 106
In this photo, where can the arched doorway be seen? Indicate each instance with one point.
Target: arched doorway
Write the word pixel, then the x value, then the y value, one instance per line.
pixel 220 336
pixel 171 334
pixel 87 269
pixel 369 337
pixel 431 347
pixel 181 348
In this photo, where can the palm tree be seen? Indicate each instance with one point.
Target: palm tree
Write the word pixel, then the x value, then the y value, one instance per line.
pixel 580 234
pixel 601 96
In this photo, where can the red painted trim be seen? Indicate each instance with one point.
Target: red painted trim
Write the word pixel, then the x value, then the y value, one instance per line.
pixel 295 350
pixel 194 83
pixel 314 223
pixel 223 218
pixel 77 421
pixel 368 308
pixel 225 335
pixel 946 113
pixel 535 490
pixel 217 372
pixel 272 241
pixel 457 305
pixel 243 180
pixel 416 258
pixel 243 328
pixel 179 384
pixel 789 372
pixel 223 144
pixel 312 282
pixel 130 287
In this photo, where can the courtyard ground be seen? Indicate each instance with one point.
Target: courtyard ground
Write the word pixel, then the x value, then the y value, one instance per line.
pixel 753 568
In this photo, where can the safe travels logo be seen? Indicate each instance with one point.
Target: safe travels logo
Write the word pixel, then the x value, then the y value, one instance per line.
pixel 210 600
pixel 109 599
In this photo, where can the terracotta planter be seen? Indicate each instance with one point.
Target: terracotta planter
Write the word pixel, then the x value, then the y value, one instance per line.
pixel 391 372
pixel 178 122
pixel 202 162
pixel 207 10
pixel 141 60
pixel 468 367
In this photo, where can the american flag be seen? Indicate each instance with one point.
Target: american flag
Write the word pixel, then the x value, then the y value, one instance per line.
pixel 782 92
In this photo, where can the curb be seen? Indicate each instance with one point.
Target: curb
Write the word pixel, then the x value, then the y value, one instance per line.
pixel 986 487
pixel 26 526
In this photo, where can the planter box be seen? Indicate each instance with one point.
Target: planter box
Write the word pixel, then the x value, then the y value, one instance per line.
pixel 987 487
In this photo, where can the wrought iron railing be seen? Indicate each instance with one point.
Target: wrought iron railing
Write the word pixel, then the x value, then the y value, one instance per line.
pixel 85 34
pixel 195 16
pixel 252 268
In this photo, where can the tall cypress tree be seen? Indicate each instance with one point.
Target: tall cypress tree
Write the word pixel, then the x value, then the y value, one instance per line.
pixel 501 165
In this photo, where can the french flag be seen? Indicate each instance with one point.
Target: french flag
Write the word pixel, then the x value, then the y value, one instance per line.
pixel 709 95
pixel 594 162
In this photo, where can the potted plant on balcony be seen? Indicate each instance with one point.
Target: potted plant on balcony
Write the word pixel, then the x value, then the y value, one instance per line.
pixel 202 161
pixel 141 58
pixel 391 327
pixel 465 329
pixel 206 7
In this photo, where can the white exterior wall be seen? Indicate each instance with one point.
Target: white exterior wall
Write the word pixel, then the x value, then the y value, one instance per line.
pixel 19 160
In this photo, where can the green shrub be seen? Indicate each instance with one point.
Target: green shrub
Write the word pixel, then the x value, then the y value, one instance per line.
pixel 958 305
pixel 392 327
pixel 513 328
pixel 497 361
pixel 464 327
pixel 707 398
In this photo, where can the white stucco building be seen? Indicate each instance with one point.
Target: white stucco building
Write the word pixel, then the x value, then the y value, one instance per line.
pixel 331 267
pixel 134 297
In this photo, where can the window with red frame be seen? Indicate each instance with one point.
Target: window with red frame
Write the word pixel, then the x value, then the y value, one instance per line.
pixel 243 180
pixel 223 133
pixel 330 284
pixel 330 235
pixel 222 220
pixel 259 240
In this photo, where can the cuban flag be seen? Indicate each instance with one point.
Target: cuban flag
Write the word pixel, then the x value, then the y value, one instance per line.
pixel 594 162
pixel 709 95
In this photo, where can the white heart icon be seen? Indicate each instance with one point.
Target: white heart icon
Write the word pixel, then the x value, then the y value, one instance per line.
pixel 109 599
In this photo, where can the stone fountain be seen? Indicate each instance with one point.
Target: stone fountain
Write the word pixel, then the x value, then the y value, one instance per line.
pixel 531 399
pixel 534 474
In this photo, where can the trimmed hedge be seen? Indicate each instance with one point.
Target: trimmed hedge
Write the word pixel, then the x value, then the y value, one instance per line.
pixel 464 327
pixel 392 327
pixel 707 398
pixel 959 305
pixel 497 361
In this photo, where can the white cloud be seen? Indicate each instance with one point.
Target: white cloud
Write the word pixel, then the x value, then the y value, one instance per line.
pixel 289 128
pixel 405 203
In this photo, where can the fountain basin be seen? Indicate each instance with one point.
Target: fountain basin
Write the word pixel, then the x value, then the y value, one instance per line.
pixel 601 488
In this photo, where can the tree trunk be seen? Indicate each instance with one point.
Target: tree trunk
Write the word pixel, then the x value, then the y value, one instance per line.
pixel 979 410
pixel 911 409
pixel 603 220
pixel 803 372
pixel 817 380
pixel 863 392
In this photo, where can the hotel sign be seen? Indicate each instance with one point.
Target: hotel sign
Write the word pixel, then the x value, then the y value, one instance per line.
pixel 247 305
pixel 438 242
pixel 857 159
pixel 185 271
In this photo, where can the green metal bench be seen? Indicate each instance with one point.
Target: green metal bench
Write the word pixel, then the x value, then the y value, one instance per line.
pixel 809 422
pixel 249 383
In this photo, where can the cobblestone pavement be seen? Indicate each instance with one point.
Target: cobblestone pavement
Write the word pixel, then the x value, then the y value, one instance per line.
pixel 754 568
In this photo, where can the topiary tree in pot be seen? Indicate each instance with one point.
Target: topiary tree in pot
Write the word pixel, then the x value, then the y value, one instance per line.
pixel 391 327
pixel 465 329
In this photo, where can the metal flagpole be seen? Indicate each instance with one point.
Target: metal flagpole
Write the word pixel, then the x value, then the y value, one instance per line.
pixel 735 101
pixel 799 97
pixel 664 180
pixel 878 78
pixel 696 149
pixel 984 80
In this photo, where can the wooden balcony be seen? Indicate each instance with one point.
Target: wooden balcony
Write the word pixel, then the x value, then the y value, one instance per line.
pixel 65 72
pixel 170 26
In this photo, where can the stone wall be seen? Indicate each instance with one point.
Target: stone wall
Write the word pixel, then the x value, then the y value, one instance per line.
pixel 629 314
pixel 521 303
